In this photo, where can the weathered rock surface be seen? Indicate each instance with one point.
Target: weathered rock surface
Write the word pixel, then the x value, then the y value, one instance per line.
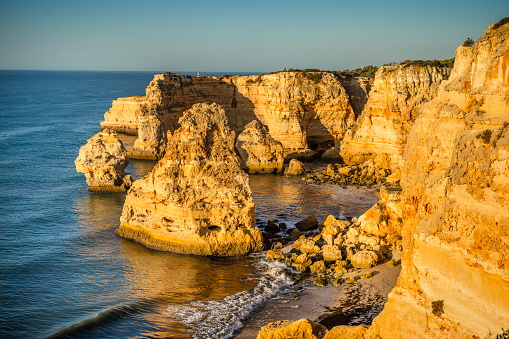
pixel 103 161
pixel 284 329
pixel 151 141
pixel 364 259
pixel 197 199
pixel 260 153
pixel 301 110
pixel 295 167
pixel 385 218
pixel 381 130
pixel 455 265
pixel 367 174
pixel 346 332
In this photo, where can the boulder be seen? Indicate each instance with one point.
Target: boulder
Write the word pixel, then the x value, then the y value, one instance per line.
pixel 364 259
pixel 331 252
pixel 103 161
pixel 295 167
pixel 307 224
pixel 260 153
pixel 306 245
pixel 284 329
pixel 275 255
pixel 197 199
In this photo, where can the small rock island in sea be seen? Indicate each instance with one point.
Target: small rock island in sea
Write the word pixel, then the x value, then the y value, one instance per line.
pixel 197 198
pixel 437 138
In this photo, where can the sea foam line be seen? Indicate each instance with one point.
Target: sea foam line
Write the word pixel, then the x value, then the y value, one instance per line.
pixel 221 318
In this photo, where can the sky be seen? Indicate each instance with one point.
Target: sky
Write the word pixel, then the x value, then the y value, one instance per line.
pixel 235 36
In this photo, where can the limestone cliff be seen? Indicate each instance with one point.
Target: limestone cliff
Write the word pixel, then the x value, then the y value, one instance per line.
pixel 260 153
pixel 455 277
pixel 301 110
pixel 103 161
pixel 381 130
pixel 197 199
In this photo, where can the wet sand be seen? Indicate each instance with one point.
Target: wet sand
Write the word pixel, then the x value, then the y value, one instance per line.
pixel 348 304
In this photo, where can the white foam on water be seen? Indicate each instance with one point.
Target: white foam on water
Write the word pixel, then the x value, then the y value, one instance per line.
pixel 220 318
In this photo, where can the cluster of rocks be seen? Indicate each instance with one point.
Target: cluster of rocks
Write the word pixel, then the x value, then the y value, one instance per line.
pixel 308 329
pixel 367 174
pixel 341 247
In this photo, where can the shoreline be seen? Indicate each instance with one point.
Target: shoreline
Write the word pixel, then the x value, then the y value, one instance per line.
pixel 347 304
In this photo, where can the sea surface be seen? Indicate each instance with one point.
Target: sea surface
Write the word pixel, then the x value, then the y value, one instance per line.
pixel 65 274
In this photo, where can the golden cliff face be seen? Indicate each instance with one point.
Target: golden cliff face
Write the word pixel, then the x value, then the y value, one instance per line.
pixel 197 199
pixel 455 277
pixel 301 110
pixel 383 126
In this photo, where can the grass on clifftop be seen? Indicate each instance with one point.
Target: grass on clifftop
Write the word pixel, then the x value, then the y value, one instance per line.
pixel 315 75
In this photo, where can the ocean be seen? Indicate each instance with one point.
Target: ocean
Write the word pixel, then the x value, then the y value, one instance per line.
pixel 65 274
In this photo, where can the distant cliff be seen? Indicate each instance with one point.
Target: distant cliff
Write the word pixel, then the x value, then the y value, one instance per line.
pixel 455 277
pixel 381 130
pixel 301 110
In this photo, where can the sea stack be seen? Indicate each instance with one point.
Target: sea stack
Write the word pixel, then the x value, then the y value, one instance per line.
pixel 103 161
pixel 197 198
pixel 260 153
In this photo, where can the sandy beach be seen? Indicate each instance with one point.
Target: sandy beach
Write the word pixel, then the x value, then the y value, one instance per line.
pixel 348 304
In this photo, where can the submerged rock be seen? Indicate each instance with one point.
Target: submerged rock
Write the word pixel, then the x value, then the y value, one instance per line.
pixel 103 161
pixel 197 199
pixel 260 153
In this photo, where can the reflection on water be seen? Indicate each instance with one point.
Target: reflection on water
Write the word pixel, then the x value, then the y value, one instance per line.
pixel 290 199
pixel 126 290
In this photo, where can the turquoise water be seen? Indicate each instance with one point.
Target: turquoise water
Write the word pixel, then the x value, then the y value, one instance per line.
pixel 64 273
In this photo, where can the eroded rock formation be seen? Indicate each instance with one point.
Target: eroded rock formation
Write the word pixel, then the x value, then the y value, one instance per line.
pixel 260 153
pixel 455 277
pixel 197 199
pixel 381 130
pixel 301 110
pixel 103 161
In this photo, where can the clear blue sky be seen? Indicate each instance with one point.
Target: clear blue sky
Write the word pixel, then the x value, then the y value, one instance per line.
pixel 235 36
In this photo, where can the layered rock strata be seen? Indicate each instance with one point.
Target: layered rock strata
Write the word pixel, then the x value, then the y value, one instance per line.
pixel 301 110
pixel 382 129
pixel 197 199
pixel 103 161
pixel 260 153
pixel 455 277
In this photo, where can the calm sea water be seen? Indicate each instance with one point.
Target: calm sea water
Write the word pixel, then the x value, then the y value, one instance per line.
pixel 64 273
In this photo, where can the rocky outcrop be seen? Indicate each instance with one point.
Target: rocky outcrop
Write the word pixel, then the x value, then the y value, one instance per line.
pixel 385 218
pixel 260 153
pixel 382 129
pixel 367 174
pixel 455 277
pixel 302 329
pixel 151 141
pixel 197 198
pixel 295 167
pixel 301 110
pixel 103 161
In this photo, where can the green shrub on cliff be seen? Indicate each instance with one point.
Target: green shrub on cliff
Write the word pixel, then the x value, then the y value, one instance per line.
pixel 468 42
pixel 501 22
